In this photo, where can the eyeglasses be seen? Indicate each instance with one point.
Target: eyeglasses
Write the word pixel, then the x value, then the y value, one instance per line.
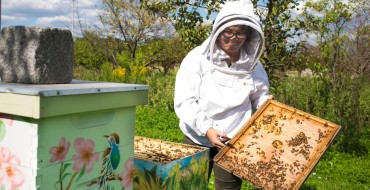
pixel 230 34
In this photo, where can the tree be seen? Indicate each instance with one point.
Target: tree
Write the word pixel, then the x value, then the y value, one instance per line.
pixel 164 54
pixel 186 16
pixel 87 55
pixel 359 41
pixel 123 28
pixel 329 30
pixel 333 23
pixel 281 29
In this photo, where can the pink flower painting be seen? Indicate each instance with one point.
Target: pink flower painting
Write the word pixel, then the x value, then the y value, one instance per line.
pixel 127 175
pixel 7 119
pixel 84 155
pixel 59 152
pixel 11 177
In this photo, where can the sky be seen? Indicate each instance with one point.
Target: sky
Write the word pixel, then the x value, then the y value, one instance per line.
pixel 57 13
pixel 50 13
pixel 54 13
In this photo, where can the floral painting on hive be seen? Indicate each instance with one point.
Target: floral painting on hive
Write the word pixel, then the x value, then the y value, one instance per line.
pixel 85 160
pixel 11 177
pixel 73 160
pixel 188 173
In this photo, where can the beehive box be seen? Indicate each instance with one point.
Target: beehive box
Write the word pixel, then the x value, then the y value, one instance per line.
pixel 166 165
pixel 68 136
pixel 278 147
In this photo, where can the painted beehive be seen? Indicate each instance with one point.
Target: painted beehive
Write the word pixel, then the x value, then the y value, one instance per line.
pixel 167 165
pixel 68 136
pixel 278 147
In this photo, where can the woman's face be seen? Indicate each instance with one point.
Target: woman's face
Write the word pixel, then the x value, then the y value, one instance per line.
pixel 232 39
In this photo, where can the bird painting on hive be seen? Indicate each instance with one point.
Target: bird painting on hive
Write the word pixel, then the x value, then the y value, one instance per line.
pixel 111 159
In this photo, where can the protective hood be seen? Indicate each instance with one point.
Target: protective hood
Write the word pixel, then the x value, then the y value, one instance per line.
pixel 238 13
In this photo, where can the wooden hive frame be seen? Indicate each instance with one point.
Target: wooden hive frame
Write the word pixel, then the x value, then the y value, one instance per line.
pixel 278 147
pixel 160 151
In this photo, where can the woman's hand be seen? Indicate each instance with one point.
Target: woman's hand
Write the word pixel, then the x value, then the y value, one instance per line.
pixel 217 137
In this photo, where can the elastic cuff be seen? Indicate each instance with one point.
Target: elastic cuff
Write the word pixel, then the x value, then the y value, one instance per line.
pixel 206 126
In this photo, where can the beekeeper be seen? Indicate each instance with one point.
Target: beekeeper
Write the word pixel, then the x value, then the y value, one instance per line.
pixel 221 82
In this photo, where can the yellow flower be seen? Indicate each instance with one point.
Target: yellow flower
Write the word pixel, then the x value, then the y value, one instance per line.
pixel 139 71
pixel 119 72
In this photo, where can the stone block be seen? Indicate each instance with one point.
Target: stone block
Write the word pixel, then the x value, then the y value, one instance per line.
pixel 36 55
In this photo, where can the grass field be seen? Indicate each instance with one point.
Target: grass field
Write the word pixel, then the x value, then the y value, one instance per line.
pixel 334 171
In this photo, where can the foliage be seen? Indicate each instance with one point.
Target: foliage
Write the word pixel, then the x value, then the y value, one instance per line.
pixel 83 73
pixel 156 54
pixel 281 29
pixel 123 29
pixel 306 94
pixel 187 17
pixel 159 54
pixel 164 54
pixel 329 29
pixel 86 55
pixel 343 76
pixel 108 46
pixel 359 39
pixel 162 90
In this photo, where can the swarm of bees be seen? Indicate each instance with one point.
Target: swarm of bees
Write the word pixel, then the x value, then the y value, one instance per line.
pixel 162 151
pixel 278 149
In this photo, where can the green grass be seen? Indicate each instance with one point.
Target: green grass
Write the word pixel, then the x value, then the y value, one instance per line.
pixel 340 171
pixel 157 124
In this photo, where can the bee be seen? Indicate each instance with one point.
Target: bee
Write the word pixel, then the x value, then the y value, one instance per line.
pixel 241 146
pixel 277 131
pixel 277 144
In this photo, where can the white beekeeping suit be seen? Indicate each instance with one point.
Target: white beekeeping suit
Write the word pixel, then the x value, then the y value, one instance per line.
pixel 208 92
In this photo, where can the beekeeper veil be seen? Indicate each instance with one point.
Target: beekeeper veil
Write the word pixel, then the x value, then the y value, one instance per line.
pixel 238 13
